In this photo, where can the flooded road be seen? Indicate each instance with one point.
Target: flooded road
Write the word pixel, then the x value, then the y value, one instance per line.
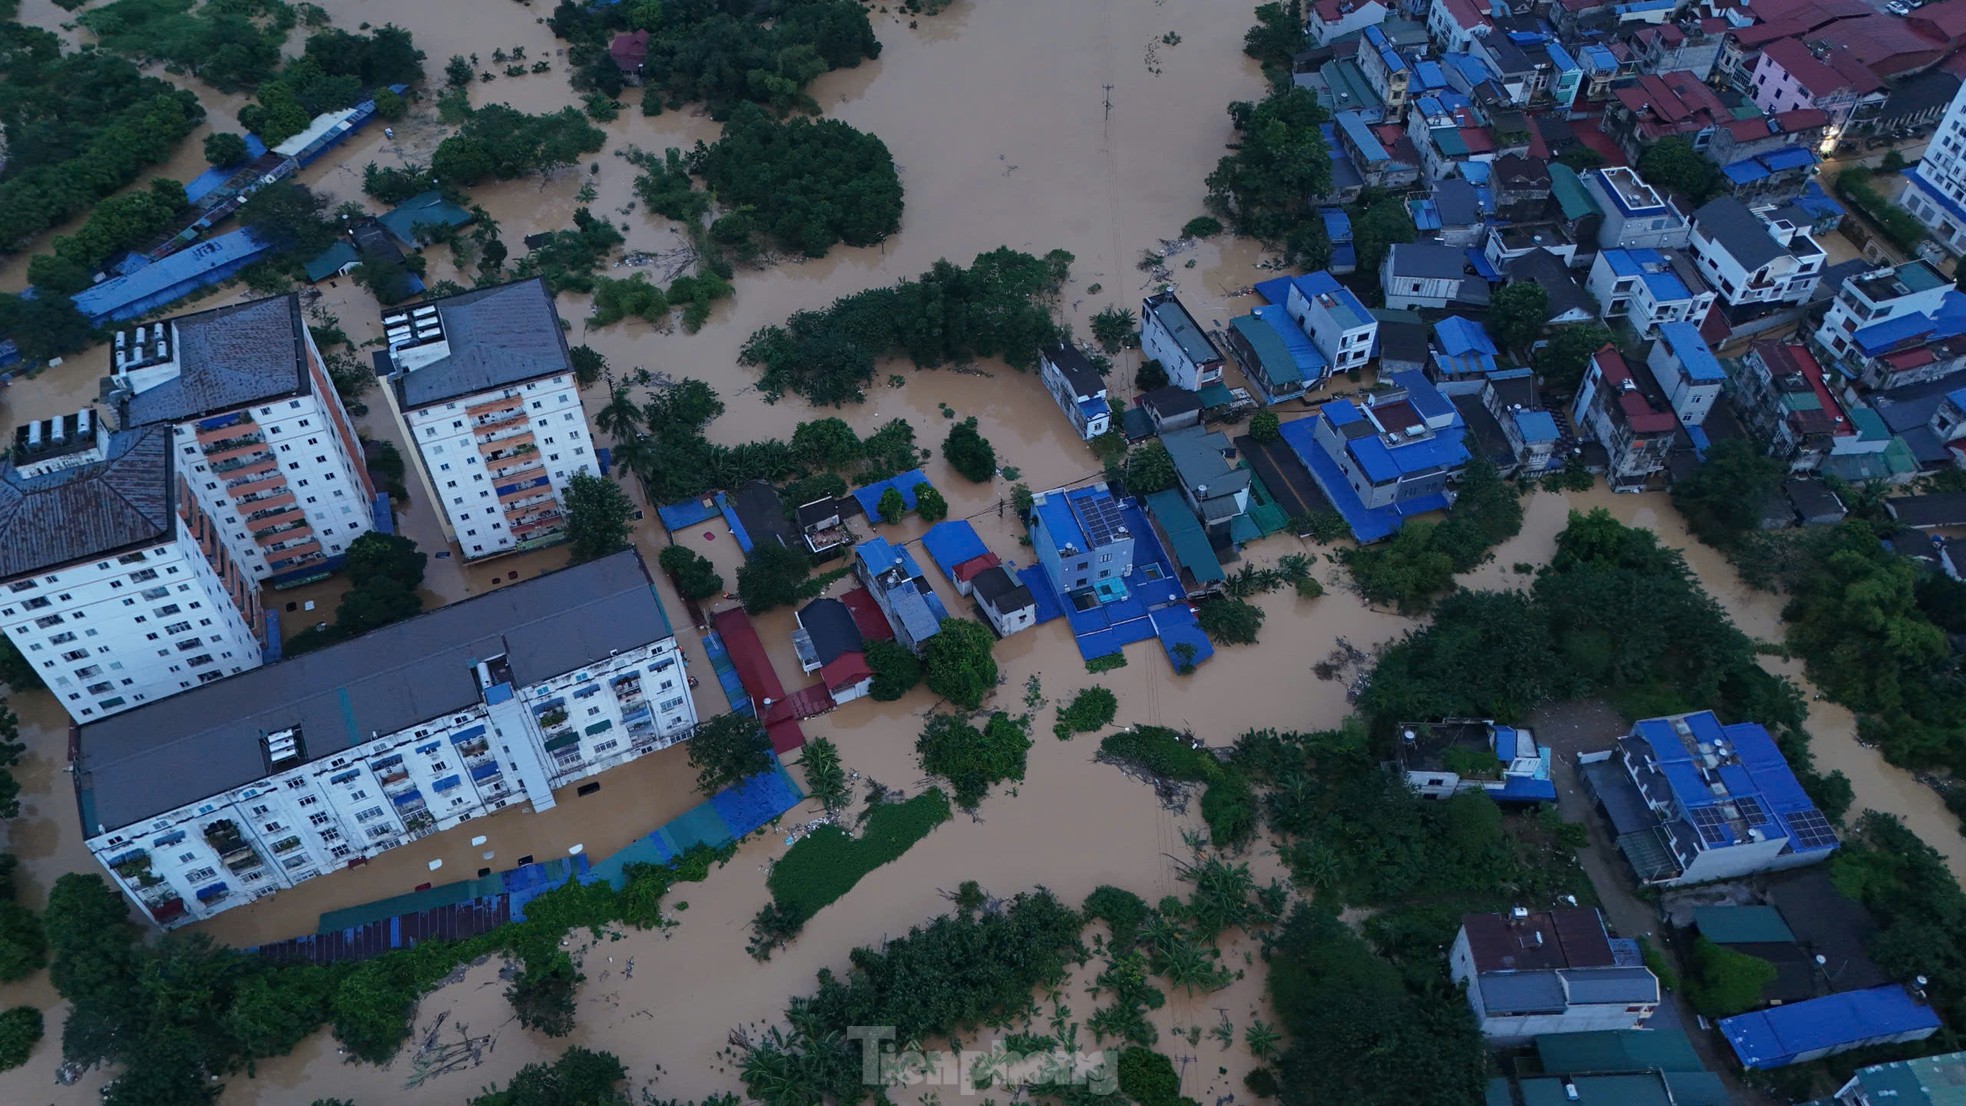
pixel 1042 162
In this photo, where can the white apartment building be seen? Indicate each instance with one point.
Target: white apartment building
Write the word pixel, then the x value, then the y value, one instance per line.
pixel 262 440
pixel 1914 288
pixel 1935 188
pixel 1748 258
pixel 1334 319
pixel 1170 335
pixel 238 790
pixel 113 583
pixel 483 386
pixel 1649 288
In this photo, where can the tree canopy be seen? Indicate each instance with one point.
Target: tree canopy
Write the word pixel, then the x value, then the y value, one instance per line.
pixel 772 575
pixel 1724 497
pixel 1263 186
pixel 802 183
pixel 969 452
pixel 1517 312
pixel 959 662
pixel 972 759
pixel 728 749
pixel 1567 354
pixel 597 516
pixel 503 143
pixel 1674 165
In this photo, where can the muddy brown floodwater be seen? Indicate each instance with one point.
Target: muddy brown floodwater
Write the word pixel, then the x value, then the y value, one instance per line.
pixel 1015 122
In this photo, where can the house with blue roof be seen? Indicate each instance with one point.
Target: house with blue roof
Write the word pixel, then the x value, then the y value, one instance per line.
pixel 1636 215
pixel 1388 72
pixel 1878 320
pixel 1081 537
pixel 1649 288
pixel 1566 75
pixel 1462 355
pixel 910 605
pixel 1381 154
pixel 1385 459
pixel 1798 1032
pixel 1328 313
pixel 1693 801
pixel 1531 433
pixel 1276 357
pixel 1519 772
pixel 169 279
pixel 1338 232
pixel 1686 368
pixel 1346 183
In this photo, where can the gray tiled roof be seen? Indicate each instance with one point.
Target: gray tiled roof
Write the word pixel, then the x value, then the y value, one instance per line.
pixel 498 336
pixel 156 758
pixel 1739 231
pixel 228 357
pixel 87 510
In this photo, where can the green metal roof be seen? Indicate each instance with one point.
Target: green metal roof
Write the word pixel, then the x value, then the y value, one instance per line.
pixel 1596 1090
pixel 1568 188
pixel 1870 425
pixel 1395 315
pixel 1742 925
pixel 1927 1081
pixel 1919 276
pixel 1497 1093
pixel 1449 141
pixel 1216 395
pixel 1618 1050
pixel 1697 1088
pixel 1898 457
pixel 428 209
pixel 1278 366
pixel 1184 533
pixel 331 260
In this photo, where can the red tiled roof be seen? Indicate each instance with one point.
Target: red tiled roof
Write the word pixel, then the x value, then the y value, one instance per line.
pixel 967 571
pixel 1466 14
pixel 1883 43
pixel 629 50
pixel 1814 74
pixel 1908 359
pixel 1943 22
pixel 1802 119
pixel 1478 140
pixel 867 615
pixel 1639 412
pixel 760 679
pixel 845 670
pixel 1331 11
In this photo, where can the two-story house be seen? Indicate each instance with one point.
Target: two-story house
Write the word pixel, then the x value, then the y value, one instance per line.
pixel 1170 335
pixel 1390 167
pixel 1649 288
pixel 1430 275
pixel 1879 296
pixel 1768 156
pixel 1660 106
pixel 1387 458
pixel 1077 388
pixel 1330 20
pixel 1080 537
pixel 890 573
pixel 1688 371
pixel 1276 357
pixel 1530 973
pixel 1334 318
pixel 1635 214
pixel 1532 435
pixel 1211 483
pixel 1623 408
pixel 1750 259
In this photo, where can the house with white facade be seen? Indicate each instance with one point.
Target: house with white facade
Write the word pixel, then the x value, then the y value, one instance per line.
pixel 1005 600
pixel 1687 370
pixel 1879 296
pixel 483 386
pixel 1170 335
pixel 236 791
pixel 262 440
pixel 1935 188
pixel 1330 20
pixel 1649 288
pixel 1457 756
pixel 1529 973
pixel 1213 486
pixel 1750 258
pixel 1636 215
pixel 114 583
pixel 1334 318
pixel 1077 388
pixel 1430 275
pixel 1386 70
pixel 1792 73
pixel 1384 459
pixel 1455 24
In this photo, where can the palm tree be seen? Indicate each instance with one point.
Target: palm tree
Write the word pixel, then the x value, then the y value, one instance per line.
pixel 620 418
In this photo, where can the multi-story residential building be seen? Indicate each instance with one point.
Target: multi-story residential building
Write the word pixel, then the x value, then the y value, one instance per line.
pixel 1379 165
pixel 1741 46
pixel 1387 458
pixel 1693 801
pixel 1210 483
pixel 1080 537
pixel 1636 215
pixel 1748 258
pixel 483 386
pixel 1935 188
pixel 1531 433
pixel 1672 47
pixel 1386 70
pixel 1627 412
pixel 1334 318
pixel 1784 396
pixel 1428 274
pixel 1557 971
pixel 1665 105
pixel 1170 335
pixel 1793 74
pixel 1769 156
pixel 1330 20
pixel 1276 356
pixel 1688 371
pixel 1455 24
pixel 1649 288
pixel 117 589
pixel 904 595
pixel 281 774
pixel 1077 388
pixel 1879 296
pixel 262 442
pixel 1448 136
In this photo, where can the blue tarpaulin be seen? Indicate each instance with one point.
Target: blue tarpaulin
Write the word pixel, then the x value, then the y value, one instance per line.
pixel 869 497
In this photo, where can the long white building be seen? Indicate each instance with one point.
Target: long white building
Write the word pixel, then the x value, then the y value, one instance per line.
pixel 262 441
pixel 1935 188
pixel 238 790
pixel 113 582
pixel 484 387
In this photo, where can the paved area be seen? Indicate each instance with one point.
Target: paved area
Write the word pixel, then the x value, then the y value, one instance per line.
pixel 1588 726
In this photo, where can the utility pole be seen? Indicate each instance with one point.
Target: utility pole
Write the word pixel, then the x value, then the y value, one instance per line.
pixel 1109 101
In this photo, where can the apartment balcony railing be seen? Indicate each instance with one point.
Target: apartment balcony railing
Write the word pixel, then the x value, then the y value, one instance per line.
pixel 286 531
pixel 494 452
pixel 247 437
pixel 500 403
pixel 221 426
pixel 262 476
pixel 502 435
pixel 279 514
pixel 499 418
pixel 264 500
pixel 255 459
pixel 515 467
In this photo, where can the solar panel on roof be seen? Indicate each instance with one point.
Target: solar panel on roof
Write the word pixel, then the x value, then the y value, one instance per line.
pixel 1712 826
pixel 1751 810
pixel 1811 830
pixel 1099 517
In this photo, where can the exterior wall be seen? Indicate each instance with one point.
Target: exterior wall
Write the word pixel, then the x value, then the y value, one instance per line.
pixel 1634 457
pixel 1653 225
pixel 529 439
pixel 1407 293
pixel 1576 1019
pixel 1373 495
pixel 1937 191
pixel 1369 13
pixel 1787 279
pixel 1008 622
pixel 1079 568
pixel 1157 344
pixel 116 633
pixel 1690 401
pixel 1063 394
pixel 1344 347
pixel 1630 298
pixel 332 812
pixel 1851 310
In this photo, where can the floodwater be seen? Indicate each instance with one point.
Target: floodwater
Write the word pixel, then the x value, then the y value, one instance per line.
pixel 1080 129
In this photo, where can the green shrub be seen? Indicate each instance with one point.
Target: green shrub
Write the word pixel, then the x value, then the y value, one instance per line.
pixel 825 864
pixel 1091 709
pixel 1202 226
pixel 972 759
pixel 896 670
pixel 1123 912
pixel 20 1031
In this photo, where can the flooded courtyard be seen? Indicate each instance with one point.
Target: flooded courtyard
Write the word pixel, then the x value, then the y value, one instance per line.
pixel 1077 131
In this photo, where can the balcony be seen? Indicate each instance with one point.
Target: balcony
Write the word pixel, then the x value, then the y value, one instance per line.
pixel 491 455
pixel 499 404
pixel 264 500
pixel 537 526
pixel 257 460
pixel 628 689
pixel 285 532
pixel 515 467
pixel 223 426
pixel 234 445
pixel 264 477
pixel 274 514
pixel 498 418
pixel 506 437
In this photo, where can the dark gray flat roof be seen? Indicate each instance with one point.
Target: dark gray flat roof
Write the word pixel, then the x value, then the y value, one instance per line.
pixel 498 336
pixel 228 357
pixel 157 758
pixel 87 510
pixel 1739 231
pixel 1076 368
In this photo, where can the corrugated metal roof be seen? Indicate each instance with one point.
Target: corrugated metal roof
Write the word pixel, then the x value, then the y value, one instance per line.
pixel 503 335
pixel 87 510
pixel 1741 925
pixel 1779 1035
pixel 229 357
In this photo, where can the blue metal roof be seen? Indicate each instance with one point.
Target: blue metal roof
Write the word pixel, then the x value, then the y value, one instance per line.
pixel 1745 172
pixel 869 497
pixel 1426 215
pixel 1345 305
pixel 1458 335
pixel 1948 321
pixel 950 543
pixel 1483 268
pixel 1794 157
pixel 168 278
pixel 879 555
pixel 1684 340
pixel 1600 57
pixel 1424 397
pixel 1473 68
pixel 1390 57
pixel 1561 57
pixel 1761 774
pixel 1303 354
pixel 1369 524
pixel 1337 224
pixel 1429 75
pixel 1780 1035
pixel 1536 426
pixel 1362 138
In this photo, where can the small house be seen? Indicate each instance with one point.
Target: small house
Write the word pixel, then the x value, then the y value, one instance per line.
pixel 821 527
pixel 1077 388
pixel 828 641
pixel 958 551
pixel 1170 335
pixel 1005 601
pixel 761 517
pixel 903 594
pixel 1214 487
pixel 1171 408
pixel 630 51
pixel 1551 971
pixel 1798 1032
pixel 1443 759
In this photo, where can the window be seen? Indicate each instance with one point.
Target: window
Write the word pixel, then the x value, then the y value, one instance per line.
pixel 672 704
pixel 369 815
